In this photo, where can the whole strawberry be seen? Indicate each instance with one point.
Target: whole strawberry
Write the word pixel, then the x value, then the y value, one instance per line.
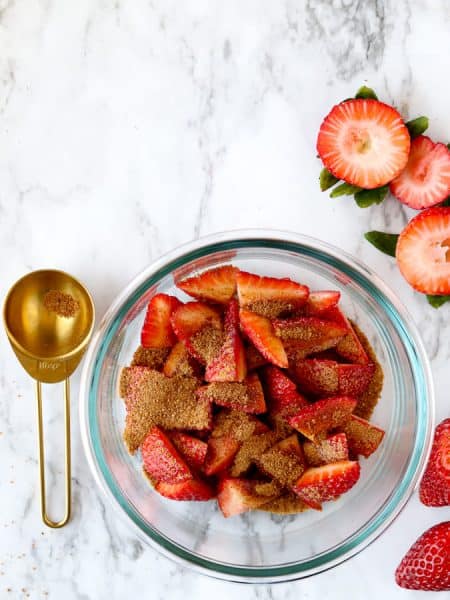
pixel 426 566
pixel 435 485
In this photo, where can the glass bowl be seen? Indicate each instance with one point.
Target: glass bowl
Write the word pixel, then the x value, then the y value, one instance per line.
pixel 260 547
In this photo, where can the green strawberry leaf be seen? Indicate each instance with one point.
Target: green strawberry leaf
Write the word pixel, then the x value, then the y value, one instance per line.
pixel 326 179
pixel 385 242
pixel 437 301
pixel 366 93
pixel 344 189
pixel 445 203
pixel 417 126
pixel 365 198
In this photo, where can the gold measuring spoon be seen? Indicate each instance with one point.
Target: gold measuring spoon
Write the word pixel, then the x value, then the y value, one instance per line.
pixel 49 318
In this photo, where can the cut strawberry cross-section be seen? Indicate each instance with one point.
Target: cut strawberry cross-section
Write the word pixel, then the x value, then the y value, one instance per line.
pixel 423 251
pixel 192 489
pixel 192 449
pixel 425 181
pixel 284 399
pixel 305 335
pixel 261 333
pixel 317 376
pixel 220 454
pixel 269 296
pixel 364 142
pixel 230 363
pixel 247 396
pixel 320 484
pixel 354 379
pixel 251 449
pixel 332 449
pixel 323 415
pixel 157 330
pixel 349 347
pixel 180 362
pixel 363 437
pixel 239 495
pixel 189 318
pixel 214 285
pixel 162 462
pixel 319 301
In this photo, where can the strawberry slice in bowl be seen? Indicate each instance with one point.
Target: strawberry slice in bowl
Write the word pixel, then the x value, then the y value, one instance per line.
pixel 425 181
pixel 364 142
pixel 157 329
pixel 261 333
pixel 215 285
pixel 423 251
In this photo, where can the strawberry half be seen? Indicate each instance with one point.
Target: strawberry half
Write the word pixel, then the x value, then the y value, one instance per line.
pixel 425 181
pixel 322 416
pixel 362 437
pixel 247 397
pixel 230 364
pixel 319 301
pixel 192 489
pixel 192 449
pixel 261 333
pixel 332 449
pixel 354 379
pixel 269 296
pixel 189 318
pixel 435 485
pixel 423 251
pixel 180 362
pixel 220 454
pixel 426 565
pixel 320 484
pixel 284 399
pixel 162 462
pixel 157 330
pixel 214 285
pixel 364 142
pixel 305 335
pixel 317 376
pixel 239 495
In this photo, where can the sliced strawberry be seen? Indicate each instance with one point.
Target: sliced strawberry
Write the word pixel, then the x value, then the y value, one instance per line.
pixel 192 489
pixel 162 461
pixel 323 415
pixel 332 449
pixel 189 318
pixel 284 399
pixel 423 251
pixel 247 397
pixel 205 345
pixel 349 347
pixel 191 448
pixel 305 335
pixel 237 424
pixel 269 296
pixel 284 461
pixel 317 376
pixel 220 454
pixel 321 484
pixel 364 142
pixel 319 301
pixel 254 359
pixel 425 181
pixel 239 495
pixel 363 437
pixel 426 565
pixel 180 362
pixel 157 330
pixel 214 285
pixel 261 333
pixel 354 379
pixel 435 485
pixel 230 364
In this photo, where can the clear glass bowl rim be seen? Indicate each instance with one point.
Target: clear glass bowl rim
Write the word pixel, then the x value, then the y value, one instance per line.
pixel 300 244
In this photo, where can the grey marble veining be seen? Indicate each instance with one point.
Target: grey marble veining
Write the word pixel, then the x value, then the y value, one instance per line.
pixel 127 128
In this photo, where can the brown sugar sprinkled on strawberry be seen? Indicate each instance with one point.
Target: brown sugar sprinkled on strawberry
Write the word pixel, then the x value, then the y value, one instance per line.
pixel 332 449
pixel 214 285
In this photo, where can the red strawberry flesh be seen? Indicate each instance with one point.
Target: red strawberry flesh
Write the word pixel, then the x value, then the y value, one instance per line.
pixel 332 449
pixel 162 461
pixel 269 296
pixel 423 251
pixel 214 285
pixel 364 142
pixel 239 495
pixel 220 454
pixel 306 335
pixel 321 484
pixel 363 438
pixel 425 181
pixel 192 489
pixel 157 329
pixel 260 332
pixel 354 379
pixel 317 376
pixel 192 449
pixel 323 416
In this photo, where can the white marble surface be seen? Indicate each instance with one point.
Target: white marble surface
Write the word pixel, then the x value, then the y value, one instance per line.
pixel 127 128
